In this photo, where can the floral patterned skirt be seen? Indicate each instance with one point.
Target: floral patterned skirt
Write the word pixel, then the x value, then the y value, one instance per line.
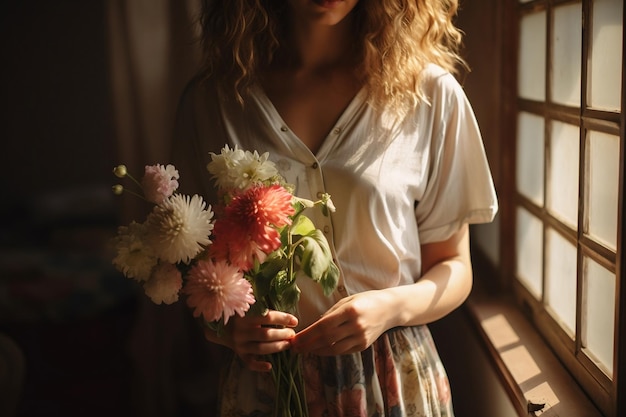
pixel 400 375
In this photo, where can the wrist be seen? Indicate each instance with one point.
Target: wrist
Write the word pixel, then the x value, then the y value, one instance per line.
pixel 392 305
pixel 406 305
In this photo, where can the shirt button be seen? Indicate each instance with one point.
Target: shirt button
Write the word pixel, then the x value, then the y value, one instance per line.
pixel 326 229
pixel 320 194
pixel 337 130
pixel 283 128
pixel 341 289
pixel 315 165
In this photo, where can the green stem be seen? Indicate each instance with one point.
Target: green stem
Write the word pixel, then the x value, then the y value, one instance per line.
pixel 126 190
pixel 133 179
pixel 290 398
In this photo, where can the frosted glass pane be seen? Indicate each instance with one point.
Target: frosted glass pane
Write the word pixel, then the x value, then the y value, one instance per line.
pixel 566 54
pixel 606 54
pixel 561 280
pixel 599 314
pixel 603 187
pixel 563 174
pixel 529 249
pixel 532 58
pixel 530 157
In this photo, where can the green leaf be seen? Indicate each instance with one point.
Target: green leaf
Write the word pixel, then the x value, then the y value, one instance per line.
pixel 302 226
pixel 263 279
pixel 330 279
pixel 315 255
pixel 273 264
pixel 259 308
pixel 287 297
pixel 261 285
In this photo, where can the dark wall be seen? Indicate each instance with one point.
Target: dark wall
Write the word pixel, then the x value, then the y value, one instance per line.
pixel 483 24
pixel 55 123
pixel 60 302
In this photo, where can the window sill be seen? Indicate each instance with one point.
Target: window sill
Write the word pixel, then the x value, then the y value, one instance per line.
pixel 528 369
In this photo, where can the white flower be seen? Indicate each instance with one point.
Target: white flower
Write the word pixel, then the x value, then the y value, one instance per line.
pixel 135 258
pixel 159 182
pixel 179 227
pixel 164 284
pixel 238 169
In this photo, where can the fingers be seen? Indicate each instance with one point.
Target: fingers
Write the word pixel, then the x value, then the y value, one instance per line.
pixel 330 329
pixel 342 330
pixel 263 342
pixel 255 336
pixel 273 318
pixel 282 319
pixel 339 343
pixel 325 335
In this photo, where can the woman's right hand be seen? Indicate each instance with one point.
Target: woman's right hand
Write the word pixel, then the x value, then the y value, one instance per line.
pixel 253 336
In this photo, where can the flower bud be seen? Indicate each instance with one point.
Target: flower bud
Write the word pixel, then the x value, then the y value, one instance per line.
pixel 118 189
pixel 328 202
pixel 120 171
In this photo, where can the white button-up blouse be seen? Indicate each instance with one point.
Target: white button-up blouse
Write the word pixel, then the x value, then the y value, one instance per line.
pixel 397 183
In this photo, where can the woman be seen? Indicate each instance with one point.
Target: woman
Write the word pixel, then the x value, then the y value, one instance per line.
pixel 355 99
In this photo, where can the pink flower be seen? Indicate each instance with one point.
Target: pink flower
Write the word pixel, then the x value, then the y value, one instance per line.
pixel 164 284
pixel 249 227
pixel 235 245
pixel 217 289
pixel 159 182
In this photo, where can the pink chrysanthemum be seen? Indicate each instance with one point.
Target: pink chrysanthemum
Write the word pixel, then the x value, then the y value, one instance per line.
pixel 159 182
pixel 216 290
pixel 250 223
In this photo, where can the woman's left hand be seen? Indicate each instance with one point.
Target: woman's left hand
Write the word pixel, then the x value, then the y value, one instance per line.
pixel 350 326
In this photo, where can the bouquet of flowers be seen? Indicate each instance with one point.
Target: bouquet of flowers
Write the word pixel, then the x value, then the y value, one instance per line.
pixel 244 260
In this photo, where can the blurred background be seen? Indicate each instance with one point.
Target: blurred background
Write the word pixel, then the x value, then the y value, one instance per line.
pixel 87 85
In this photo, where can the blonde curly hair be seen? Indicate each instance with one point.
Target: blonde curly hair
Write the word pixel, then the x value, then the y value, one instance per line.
pixel 397 39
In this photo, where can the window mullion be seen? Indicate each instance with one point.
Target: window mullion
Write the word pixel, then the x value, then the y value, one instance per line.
pixel 583 180
pixel 620 267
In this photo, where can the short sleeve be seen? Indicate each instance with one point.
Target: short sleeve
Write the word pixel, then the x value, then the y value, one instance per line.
pixel 460 187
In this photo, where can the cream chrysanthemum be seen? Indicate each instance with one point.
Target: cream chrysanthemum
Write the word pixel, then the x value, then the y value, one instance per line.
pixel 179 228
pixel 238 169
pixel 217 290
pixel 135 258
pixel 164 284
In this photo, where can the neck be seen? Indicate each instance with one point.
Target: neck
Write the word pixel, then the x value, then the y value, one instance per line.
pixel 318 47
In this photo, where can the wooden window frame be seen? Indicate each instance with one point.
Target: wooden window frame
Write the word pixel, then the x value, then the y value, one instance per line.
pixel 604 392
